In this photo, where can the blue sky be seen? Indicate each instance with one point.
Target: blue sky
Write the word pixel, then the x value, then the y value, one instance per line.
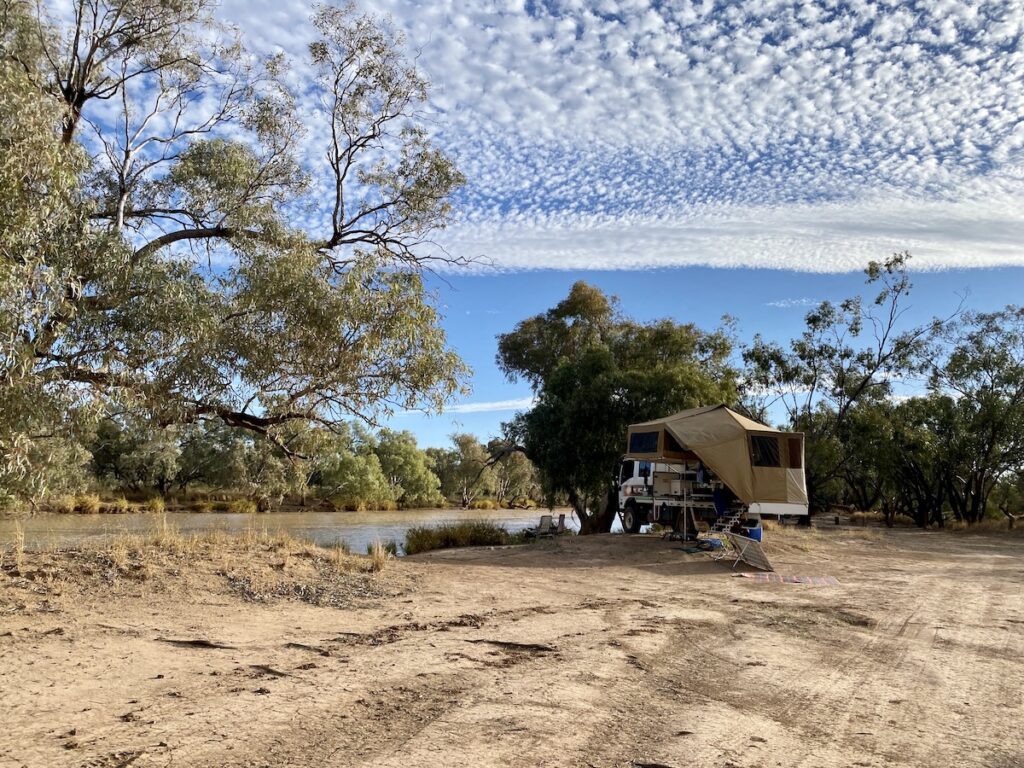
pixel 698 158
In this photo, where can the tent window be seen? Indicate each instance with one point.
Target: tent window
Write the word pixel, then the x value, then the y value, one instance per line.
pixel 765 451
pixel 795 453
pixel 671 444
pixel 643 442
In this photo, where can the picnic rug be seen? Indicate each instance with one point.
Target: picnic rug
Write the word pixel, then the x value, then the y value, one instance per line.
pixel 778 578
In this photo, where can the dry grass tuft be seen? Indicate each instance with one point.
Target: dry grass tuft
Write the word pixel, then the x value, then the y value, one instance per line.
pixel 378 557
pixel 120 550
pixel 157 504
pixel 19 546
pixel 89 504
pixel 64 505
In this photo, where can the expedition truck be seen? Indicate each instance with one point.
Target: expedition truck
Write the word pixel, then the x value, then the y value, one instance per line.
pixel 711 468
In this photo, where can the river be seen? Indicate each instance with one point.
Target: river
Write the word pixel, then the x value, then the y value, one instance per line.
pixel 357 529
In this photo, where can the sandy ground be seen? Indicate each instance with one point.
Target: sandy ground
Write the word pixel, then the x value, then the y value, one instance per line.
pixel 591 651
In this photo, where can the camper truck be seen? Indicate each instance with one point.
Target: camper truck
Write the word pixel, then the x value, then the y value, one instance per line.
pixel 709 468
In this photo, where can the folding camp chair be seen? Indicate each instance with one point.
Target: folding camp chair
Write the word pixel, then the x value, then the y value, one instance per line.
pixel 749 551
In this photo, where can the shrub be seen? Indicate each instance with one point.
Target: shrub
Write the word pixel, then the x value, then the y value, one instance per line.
pixel 89 504
pixel 476 533
pixel 157 504
pixel 65 505
pixel 484 504
pixel 120 506
pixel 242 506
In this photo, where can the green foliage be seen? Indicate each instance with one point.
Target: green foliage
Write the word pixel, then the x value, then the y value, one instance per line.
pixel 477 533
pixel 595 372
pixel 354 479
pixel 407 470
pixel 515 476
pixel 464 469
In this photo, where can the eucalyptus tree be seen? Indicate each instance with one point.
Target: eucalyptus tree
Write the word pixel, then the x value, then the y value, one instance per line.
pixel 849 352
pixel 594 372
pixel 153 173
pixel 982 384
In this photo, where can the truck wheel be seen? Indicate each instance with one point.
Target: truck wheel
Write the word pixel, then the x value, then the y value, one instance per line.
pixel 631 518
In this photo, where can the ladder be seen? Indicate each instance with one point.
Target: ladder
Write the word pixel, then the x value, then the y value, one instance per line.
pixel 726 522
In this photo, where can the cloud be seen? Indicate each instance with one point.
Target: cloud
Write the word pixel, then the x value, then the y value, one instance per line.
pixel 637 134
pixel 518 404
pixel 790 303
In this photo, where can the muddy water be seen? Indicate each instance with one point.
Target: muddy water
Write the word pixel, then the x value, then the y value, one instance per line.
pixel 357 529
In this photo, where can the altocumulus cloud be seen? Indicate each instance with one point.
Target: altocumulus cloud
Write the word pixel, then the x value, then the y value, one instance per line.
pixel 631 134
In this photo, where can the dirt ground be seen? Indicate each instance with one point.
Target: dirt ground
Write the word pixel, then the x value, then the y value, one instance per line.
pixel 590 651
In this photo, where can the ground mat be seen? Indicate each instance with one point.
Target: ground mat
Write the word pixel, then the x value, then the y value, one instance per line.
pixel 778 578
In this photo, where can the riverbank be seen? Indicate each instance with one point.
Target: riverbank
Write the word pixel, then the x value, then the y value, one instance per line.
pixel 604 650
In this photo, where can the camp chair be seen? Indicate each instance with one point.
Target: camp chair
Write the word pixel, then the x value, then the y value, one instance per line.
pixel 546 527
pixel 749 551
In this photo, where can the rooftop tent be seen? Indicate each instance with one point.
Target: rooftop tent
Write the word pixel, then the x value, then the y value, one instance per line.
pixel 759 463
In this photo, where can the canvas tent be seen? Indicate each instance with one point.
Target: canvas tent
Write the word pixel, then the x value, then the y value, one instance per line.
pixel 761 465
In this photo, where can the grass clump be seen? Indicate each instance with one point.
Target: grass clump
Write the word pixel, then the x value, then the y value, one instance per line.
pixel 484 504
pixel 88 504
pixel 157 504
pixel 19 547
pixel 476 533
pixel 120 506
pixel 64 505
pixel 391 547
pixel 379 556
pixel 242 506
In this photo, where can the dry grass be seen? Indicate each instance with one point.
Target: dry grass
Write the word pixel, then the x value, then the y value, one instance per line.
pixel 19 546
pixel 157 504
pixel 379 557
pixel 64 505
pixel 988 525
pixel 89 504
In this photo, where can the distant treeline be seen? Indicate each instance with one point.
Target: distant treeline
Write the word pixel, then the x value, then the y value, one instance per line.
pixel 347 468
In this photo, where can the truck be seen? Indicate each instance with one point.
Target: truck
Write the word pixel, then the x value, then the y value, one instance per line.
pixel 686 497
pixel 709 468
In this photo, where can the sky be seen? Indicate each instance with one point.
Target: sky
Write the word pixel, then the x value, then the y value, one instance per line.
pixel 703 158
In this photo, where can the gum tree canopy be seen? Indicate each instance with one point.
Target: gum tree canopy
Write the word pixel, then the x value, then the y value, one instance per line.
pixel 151 191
